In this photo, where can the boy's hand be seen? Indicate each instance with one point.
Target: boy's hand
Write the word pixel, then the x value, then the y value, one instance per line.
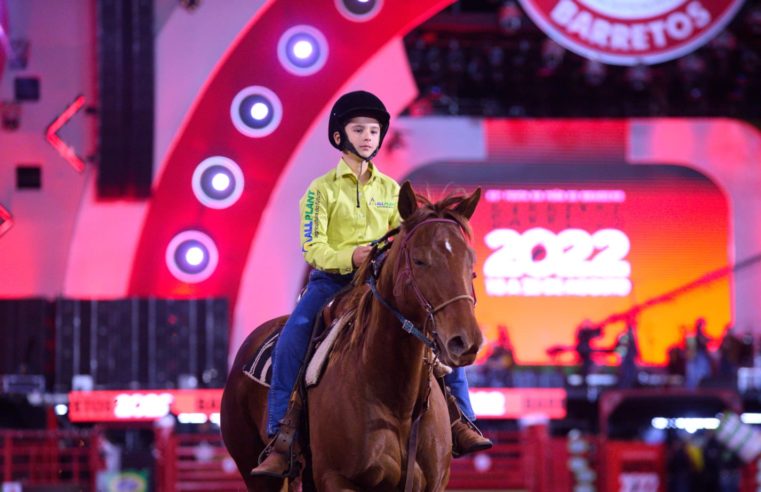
pixel 359 255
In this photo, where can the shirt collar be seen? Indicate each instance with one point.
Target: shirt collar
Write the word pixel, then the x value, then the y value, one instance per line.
pixel 343 169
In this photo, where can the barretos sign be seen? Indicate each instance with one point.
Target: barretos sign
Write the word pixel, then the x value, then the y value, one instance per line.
pixel 631 32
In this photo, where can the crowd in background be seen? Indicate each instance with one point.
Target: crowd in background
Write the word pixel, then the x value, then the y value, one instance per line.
pixel 691 363
pixel 487 58
pixel 700 463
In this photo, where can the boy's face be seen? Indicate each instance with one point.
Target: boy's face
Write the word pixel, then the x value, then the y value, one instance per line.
pixel 364 134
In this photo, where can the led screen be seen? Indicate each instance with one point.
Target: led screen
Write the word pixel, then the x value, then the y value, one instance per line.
pixel 560 245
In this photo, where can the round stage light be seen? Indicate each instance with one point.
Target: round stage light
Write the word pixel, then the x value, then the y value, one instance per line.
pixel 260 111
pixel 359 10
pixel 195 256
pixel 221 181
pixel 191 256
pixel 302 50
pixel 218 182
pixel 256 111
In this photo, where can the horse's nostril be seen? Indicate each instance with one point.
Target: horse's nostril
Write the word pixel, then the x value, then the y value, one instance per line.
pixel 456 345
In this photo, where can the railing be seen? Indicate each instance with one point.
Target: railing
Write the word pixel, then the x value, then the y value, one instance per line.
pixel 526 460
pixel 50 458
pixel 195 462
pixel 751 477
pixel 506 465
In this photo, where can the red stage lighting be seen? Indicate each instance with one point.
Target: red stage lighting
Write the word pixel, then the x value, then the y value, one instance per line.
pixel 51 134
pixel 256 111
pixel 6 220
pixel 359 10
pixel 218 182
pixel 302 50
pixel 192 256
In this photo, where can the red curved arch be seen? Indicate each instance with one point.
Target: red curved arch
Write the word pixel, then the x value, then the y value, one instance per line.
pixel 208 131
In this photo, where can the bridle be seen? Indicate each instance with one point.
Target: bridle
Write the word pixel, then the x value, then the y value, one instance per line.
pixel 379 253
pixel 380 250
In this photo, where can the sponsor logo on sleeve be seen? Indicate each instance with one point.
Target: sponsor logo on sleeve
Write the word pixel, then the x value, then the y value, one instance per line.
pixel 631 32
pixel 311 219
pixel 308 220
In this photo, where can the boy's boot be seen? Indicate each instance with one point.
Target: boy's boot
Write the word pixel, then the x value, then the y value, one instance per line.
pixel 466 438
pixel 282 460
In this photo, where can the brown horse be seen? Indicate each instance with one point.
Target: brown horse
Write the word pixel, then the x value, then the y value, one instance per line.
pixel 379 377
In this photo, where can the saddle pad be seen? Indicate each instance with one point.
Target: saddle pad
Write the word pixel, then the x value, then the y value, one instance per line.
pixel 317 363
pixel 260 368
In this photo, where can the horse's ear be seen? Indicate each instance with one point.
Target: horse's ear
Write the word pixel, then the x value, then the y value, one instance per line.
pixel 468 205
pixel 407 200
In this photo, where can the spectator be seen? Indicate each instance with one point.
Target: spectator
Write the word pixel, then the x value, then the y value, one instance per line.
pixel 678 466
pixel 729 358
pixel 698 359
pixel 629 352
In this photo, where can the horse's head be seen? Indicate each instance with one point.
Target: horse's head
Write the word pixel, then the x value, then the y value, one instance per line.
pixel 433 272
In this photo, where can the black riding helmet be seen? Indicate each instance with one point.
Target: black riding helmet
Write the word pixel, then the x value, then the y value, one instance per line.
pixel 351 105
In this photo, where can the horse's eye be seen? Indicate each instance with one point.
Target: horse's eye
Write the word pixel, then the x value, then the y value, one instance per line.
pixel 418 262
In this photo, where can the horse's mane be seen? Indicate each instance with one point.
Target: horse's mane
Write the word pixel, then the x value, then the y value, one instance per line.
pixel 443 209
pixel 359 296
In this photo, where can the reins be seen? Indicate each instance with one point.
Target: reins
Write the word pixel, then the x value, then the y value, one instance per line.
pixel 407 325
pixel 380 251
pixel 421 406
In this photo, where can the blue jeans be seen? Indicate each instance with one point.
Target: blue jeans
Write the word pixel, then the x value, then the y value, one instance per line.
pixel 291 347
pixel 458 385
pixel 293 342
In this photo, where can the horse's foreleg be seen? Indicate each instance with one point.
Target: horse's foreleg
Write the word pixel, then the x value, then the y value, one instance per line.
pixel 333 482
pixel 264 484
pixel 419 482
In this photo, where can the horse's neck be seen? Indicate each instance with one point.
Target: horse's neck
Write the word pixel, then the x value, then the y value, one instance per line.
pixel 395 360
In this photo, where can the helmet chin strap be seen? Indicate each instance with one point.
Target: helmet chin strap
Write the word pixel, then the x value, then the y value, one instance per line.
pixel 349 147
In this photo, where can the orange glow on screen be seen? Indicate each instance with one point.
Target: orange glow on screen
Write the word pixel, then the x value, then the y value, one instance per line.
pixel 555 251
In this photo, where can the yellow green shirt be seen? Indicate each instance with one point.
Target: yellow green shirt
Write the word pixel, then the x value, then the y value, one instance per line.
pixel 334 221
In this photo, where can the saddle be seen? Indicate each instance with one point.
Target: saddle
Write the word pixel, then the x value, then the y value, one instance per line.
pixel 325 330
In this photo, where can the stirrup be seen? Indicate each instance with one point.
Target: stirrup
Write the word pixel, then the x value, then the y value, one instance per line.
pixel 472 425
pixel 284 441
pixel 293 464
